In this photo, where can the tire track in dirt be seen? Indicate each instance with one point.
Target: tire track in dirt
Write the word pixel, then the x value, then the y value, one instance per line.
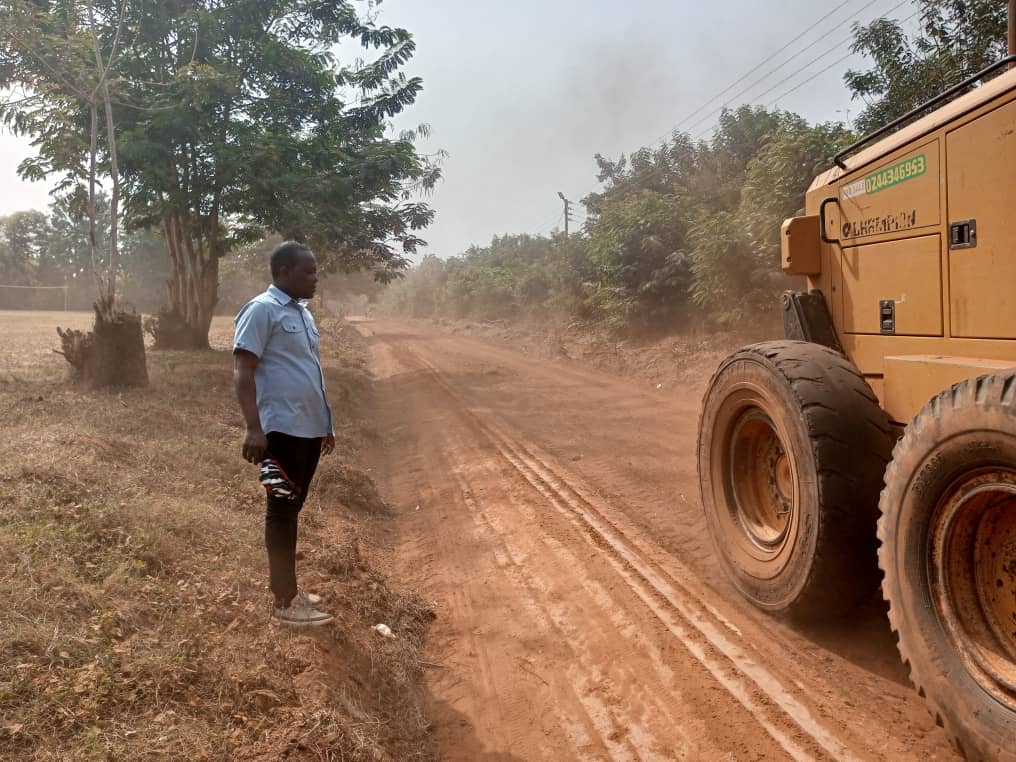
pixel 632 448
pixel 601 717
pixel 611 689
pixel 742 676
pixel 768 694
pixel 479 683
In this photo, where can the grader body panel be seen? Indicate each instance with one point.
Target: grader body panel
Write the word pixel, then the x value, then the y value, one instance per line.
pixel 879 439
pixel 917 243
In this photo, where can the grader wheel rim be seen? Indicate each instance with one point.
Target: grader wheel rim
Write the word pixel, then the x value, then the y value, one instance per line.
pixel 759 472
pixel 974 577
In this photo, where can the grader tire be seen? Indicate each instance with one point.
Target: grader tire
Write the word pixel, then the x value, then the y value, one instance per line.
pixel 948 533
pixel 792 450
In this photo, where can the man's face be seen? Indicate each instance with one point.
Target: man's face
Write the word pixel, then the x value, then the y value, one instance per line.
pixel 300 280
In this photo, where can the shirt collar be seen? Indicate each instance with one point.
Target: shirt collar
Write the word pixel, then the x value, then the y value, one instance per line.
pixel 281 296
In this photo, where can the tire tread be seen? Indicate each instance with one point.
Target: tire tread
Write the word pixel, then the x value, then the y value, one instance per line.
pixel 992 389
pixel 852 442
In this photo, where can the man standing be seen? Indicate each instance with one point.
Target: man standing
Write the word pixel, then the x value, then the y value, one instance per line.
pixel 281 388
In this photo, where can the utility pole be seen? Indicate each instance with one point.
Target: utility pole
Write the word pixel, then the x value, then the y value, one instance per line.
pixel 567 203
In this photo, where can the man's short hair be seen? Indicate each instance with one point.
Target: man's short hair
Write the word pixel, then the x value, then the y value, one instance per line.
pixel 286 254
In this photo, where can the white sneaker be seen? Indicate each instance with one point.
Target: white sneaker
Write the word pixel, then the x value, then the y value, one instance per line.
pixel 299 613
pixel 311 598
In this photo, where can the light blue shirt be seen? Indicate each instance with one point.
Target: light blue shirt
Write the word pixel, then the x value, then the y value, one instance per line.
pixel 290 384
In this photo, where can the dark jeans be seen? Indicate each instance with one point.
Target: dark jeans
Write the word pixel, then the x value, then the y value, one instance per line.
pixel 299 458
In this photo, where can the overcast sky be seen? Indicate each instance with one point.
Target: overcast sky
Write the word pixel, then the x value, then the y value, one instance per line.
pixel 521 94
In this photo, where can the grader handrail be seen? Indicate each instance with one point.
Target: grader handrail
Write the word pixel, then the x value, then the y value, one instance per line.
pixel 913 113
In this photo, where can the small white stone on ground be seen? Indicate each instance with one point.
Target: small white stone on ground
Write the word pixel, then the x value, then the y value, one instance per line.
pixel 384 630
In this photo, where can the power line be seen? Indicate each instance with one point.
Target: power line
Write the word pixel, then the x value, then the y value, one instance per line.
pixel 548 225
pixel 802 69
pixel 823 71
pixel 769 73
pixel 553 225
pixel 846 41
pixel 757 66
pixel 773 71
pixel 817 74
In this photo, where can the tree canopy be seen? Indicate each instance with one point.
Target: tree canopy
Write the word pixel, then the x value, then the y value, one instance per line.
pixel 687 232
pixel 51 249
pixel 234 119
pixel 244 119
pixel 958 38
pixel 684 233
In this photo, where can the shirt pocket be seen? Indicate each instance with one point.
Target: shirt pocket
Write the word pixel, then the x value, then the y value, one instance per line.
pixel 290 335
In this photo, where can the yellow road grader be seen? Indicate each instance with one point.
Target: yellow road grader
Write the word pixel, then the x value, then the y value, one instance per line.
pixel 881 434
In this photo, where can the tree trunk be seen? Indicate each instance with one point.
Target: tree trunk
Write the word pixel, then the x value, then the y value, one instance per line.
pixel 93 233
pixel 192 288
pixel 114 200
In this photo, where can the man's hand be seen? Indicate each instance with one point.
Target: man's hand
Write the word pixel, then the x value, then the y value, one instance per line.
pixel 254 445
pixel 328 444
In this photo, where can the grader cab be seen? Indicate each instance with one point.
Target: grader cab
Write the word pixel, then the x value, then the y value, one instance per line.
pixel 881 434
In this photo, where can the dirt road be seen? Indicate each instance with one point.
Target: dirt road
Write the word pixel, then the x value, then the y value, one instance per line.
pixel 551 514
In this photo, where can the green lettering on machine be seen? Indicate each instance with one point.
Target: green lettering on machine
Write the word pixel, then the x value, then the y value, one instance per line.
pixel 896 174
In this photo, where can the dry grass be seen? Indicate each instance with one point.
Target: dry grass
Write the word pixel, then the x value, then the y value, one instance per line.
pixel 135 606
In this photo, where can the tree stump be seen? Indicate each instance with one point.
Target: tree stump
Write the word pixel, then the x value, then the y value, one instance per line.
pixel 78 350
pixel 119 349
pixel 171 331
pixel 112 354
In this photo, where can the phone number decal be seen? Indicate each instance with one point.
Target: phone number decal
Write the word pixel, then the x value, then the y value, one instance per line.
pixel 896 174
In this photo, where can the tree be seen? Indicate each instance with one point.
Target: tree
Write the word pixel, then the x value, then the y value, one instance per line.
pixel 68 256
pixel 723 266
pixel 419 294
pixel 55 55
pixel 958 38
pixel 640 225
pixel 239 120
pixel 776 180
pixel 24 239
pixel 638 245
pixel 677 163
pixel 680 233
